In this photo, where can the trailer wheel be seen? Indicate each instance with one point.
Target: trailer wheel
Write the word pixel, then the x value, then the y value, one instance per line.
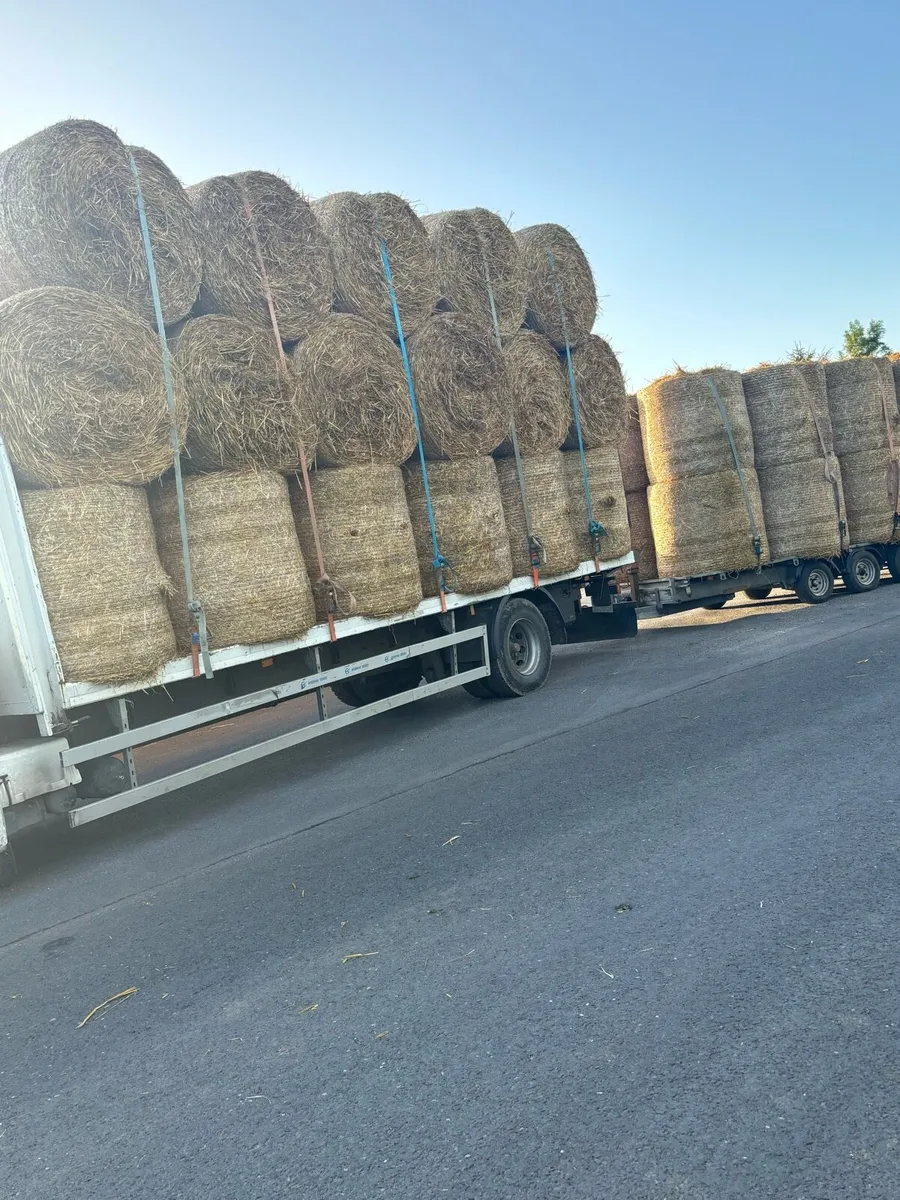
pixel 719 602
pixel 520 649
pixel 892 559
pixel 361 690
pixel 815 583
pixel 758 593
pixel 479 689
pixel 862 571
pixel 8 869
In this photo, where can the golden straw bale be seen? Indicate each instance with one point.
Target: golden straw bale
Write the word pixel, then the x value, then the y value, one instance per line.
pixel 641 531
pixel 540 395
pixel 858 389
pixel 868 494
pixel 472 246
pixel 602 401
pixel 547 494
pixel 783 403
pixel 607 502
pixel 701 524
pixel 631 450
pixel 569 281
pixel 803 508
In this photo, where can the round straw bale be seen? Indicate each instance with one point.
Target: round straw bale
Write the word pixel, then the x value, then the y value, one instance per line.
pixel 102 581
pixel 69 218
pixel 813 374
pixel 571 277
pixel 607 502
pixel 294 250
pixel 641 533
pixel 354 225
pixel 631 450
pixel 803 508
pixel 82 392
pixel 540 397
pixel 351 377
pixel 551 515
pixel 867 495
pixel 468 519
pixel 701 524
pixel 462 387
pixel 246 565
pixel 245 405
pixel 781 406
pixel 857 391
pixel 602 402
pixel 684 434
pixel 366 538
pixel 472 246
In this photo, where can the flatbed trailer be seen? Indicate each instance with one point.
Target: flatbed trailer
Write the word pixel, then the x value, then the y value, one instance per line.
pixel 67 749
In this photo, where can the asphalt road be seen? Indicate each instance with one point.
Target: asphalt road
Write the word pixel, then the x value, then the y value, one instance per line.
pixel 633 937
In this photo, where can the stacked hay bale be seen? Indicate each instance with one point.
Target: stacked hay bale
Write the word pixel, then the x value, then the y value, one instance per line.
pixel 557 276
pixel 702 521
pixel 635 482
pixel 479 267
pixel 862 403
pixel 799 475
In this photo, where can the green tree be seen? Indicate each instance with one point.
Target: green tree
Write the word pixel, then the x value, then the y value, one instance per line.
pixel 861 343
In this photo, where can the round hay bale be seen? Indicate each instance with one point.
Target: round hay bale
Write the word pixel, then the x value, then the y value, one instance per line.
pixel 641 531
pixel 867 496
pixel 68 218
pixel 354 224
pixel 551 515
pixel 801 513
pixel 701 525
pixel 351 377
pixel 602 401
pixel 462 387
pixel 102 581
pixel 294 249
pixel 82 393
pixel 573 278
pixel 780 404
pixel 468 519
pixel 540 397
pixel 857 388
pixel 813 374
pixel 366 537
pixel 683 431
pixel 607 502
pixel 245 405
pixel 631 450
pixel 463 241
pixel 246 565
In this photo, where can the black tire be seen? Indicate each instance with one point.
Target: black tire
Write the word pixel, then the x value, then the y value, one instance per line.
pixel 892 559
pixel 9 871
pixel 715 605
pixel 861 571
pixel 758 593
pixel 520 649
pixel 815 583
pixel 360 690
pixel 479 689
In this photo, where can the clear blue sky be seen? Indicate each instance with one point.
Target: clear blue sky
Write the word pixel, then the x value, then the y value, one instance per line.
pixel 730 168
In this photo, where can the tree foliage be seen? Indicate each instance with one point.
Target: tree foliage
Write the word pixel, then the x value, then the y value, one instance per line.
pixel 799 353
pixel 860 342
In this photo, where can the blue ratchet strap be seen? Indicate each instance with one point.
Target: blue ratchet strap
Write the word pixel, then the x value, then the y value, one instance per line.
pixel 595 529
pixel 438 561
pixel 199 639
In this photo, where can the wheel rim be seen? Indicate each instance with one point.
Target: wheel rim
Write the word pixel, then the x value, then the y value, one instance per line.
pixel 864 570
pixel 817 581
pixel 524 647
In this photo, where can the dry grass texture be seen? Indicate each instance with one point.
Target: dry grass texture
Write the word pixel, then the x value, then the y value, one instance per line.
pixel 102 581
pixel 540 395
pixel 82 394
pixel 856 388
pixel 574 280
pixel 867 495
pixel 780 402
pixel 351 378
pixel 367 540
pixel 353 224
pixel 294 250
pixel 607 502
pixel 472 245
pixel 68 218
pixel 641 531
pixel 683 431
pixel 245 408
pixel 246 565
pixel 468 517
pixel 551 514
pixel 701 525
pixel 631 450
pixel 602 402
pixel 462 387
pixel 801 514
